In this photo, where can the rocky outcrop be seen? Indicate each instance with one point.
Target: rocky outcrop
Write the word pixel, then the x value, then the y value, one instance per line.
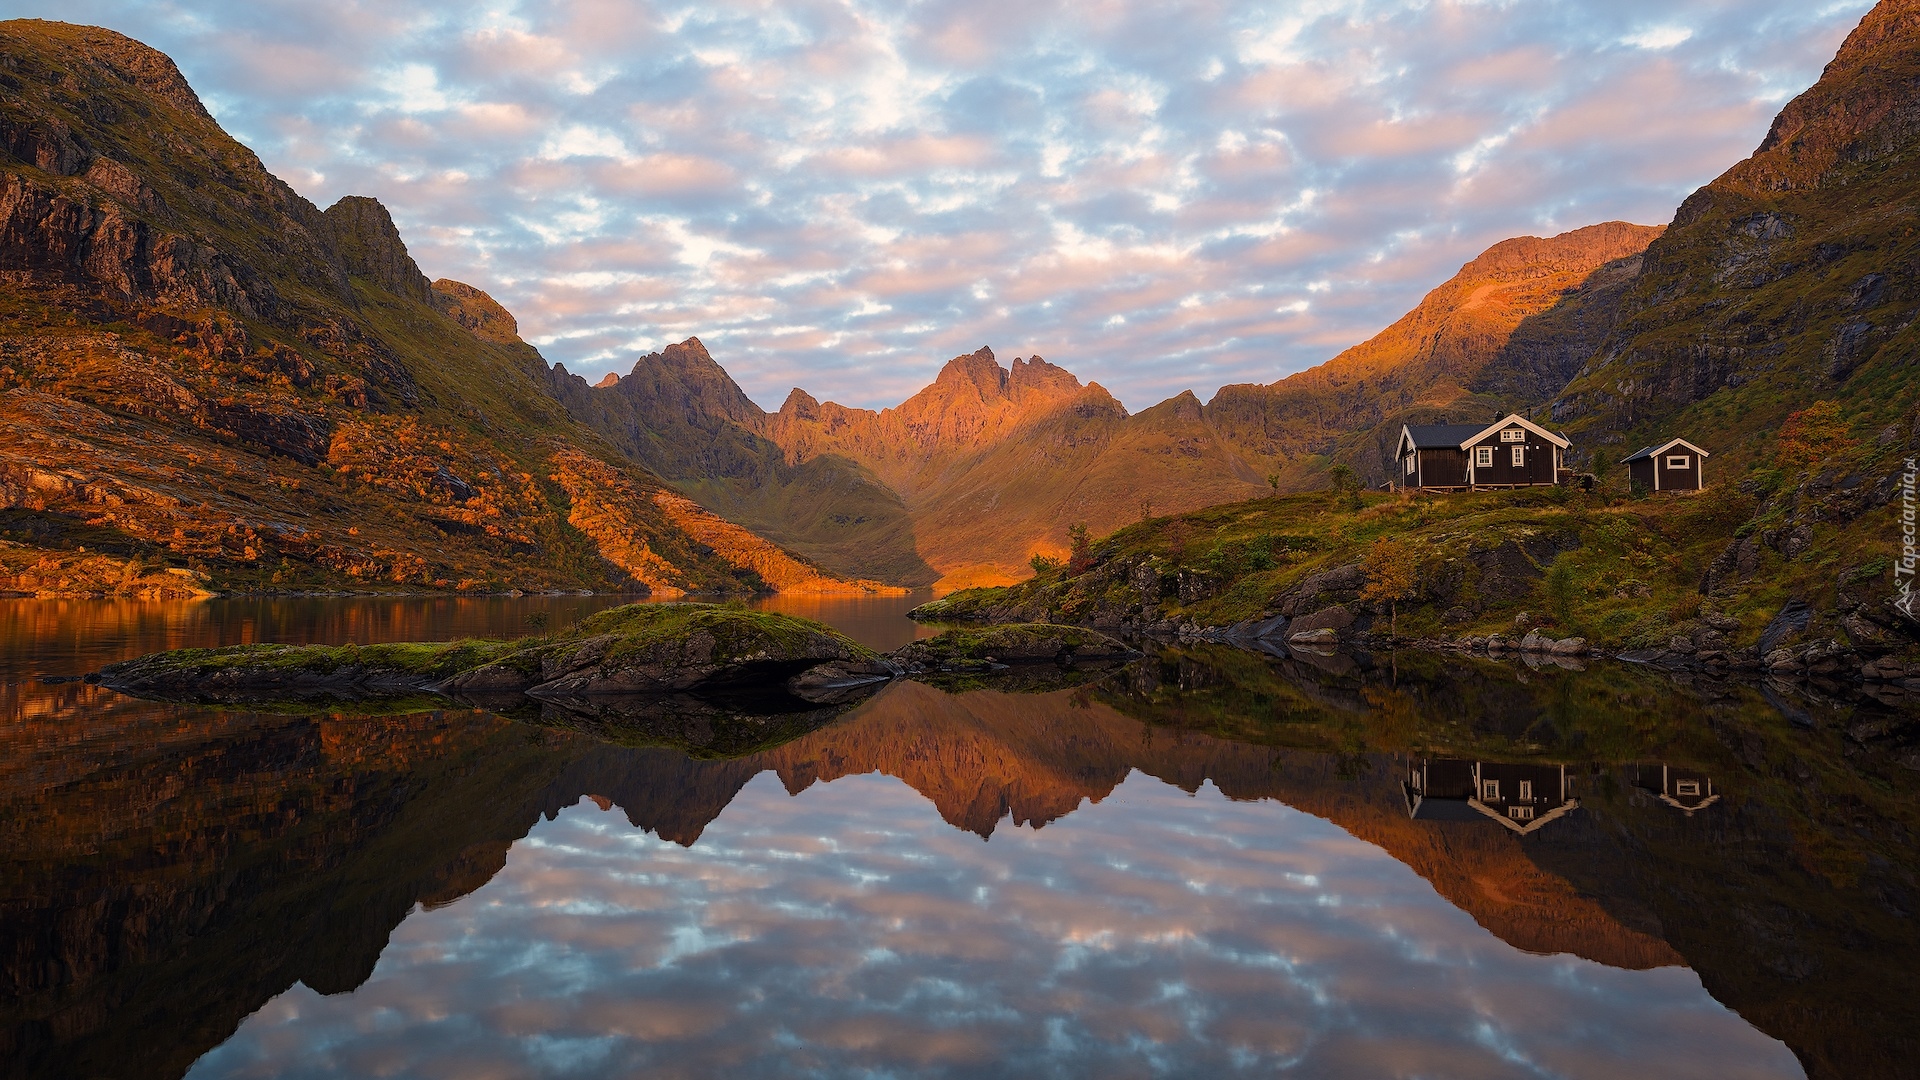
pixel 479 313
pixel 369 246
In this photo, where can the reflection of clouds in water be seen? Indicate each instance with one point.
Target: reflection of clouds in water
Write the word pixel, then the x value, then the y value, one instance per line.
pixel 849 929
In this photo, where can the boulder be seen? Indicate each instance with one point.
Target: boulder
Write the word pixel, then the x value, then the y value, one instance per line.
pixel 1323 636
pixel 1573 646
pixel 1334 618
pixel 1536 642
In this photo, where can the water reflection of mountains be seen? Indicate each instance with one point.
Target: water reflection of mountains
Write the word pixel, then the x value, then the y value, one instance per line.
pixel 168 871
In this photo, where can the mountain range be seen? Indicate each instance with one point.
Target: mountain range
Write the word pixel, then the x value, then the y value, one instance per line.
pixel 199 367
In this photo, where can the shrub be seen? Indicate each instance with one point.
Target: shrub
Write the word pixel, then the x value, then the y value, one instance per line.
pixel 1042 564
pixel 1812 435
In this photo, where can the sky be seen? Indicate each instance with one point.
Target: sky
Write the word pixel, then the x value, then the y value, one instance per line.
pixel 848 931
pixel 843 194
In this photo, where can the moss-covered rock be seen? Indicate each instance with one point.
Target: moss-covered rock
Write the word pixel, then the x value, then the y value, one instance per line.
pixel 1021 643
pixel 299 671
pixel 661 648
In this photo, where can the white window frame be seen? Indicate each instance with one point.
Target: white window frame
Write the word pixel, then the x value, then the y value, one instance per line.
pixel 1519 457
pixel 1412 459
pixel 1489 791
pixel 1526 791
pixel 1520 813
pixel 1514 435
pixel 1483 457
pixel 1679 461
pixel 1689 788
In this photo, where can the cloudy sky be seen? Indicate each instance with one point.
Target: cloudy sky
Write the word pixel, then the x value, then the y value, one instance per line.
pixel 841 194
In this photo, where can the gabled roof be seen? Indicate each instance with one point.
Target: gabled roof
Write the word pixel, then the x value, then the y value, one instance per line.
pixel 1508 421
pixel 1435 436
pixel 1656 451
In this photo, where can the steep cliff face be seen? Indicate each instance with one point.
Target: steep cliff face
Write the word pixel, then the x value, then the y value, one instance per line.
pixel 1788 280
pixel 200 370
pixel 1453 356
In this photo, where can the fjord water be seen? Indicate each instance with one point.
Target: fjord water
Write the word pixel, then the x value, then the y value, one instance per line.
pixel 1209 864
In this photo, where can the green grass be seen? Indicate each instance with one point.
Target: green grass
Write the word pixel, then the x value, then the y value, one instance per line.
pixel 1631 578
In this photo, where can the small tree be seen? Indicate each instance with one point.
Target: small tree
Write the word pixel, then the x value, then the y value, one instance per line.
pixel 1813 435
pixel 1080 554
pixel 1043 564
pixel 1273 481
pixel 1391 576
pixel 1343 478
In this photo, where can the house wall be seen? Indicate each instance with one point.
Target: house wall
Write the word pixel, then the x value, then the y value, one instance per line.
pixel 1687 479
pixel 1442 467
pixel 1640 474
pixel 1538 468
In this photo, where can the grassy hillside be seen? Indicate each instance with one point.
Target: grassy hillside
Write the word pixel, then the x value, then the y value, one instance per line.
pixel 1621 571
pixel 202 372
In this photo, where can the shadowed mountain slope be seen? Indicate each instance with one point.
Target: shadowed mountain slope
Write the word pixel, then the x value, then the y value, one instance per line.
pixel 201 371
pixel 1788 280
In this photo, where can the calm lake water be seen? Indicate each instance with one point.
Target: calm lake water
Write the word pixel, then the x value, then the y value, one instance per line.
pixel 1212 863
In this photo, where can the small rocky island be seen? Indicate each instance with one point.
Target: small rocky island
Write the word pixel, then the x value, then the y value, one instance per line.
pixel 639 649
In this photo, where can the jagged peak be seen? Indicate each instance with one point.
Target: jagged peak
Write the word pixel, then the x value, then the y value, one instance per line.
pixel 801 405
pixel 370 245
pixel 610 380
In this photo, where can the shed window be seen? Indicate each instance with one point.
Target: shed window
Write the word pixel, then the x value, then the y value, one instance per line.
pixel 1411 458
pixel 1490 790
pixel 1513 434
pixel 1519 456
pixel 1678 461
pixel 1526 791
pixel 1520 813
pixel 1483 455
pixel 1686 787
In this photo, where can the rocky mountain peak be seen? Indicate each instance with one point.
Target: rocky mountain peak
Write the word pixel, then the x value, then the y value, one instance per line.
pixel 610 379
pixel 1859 112
pixel 479 313
pixel 370 247
pixel 1036 378
pixel 114 55
pixel 978 372
pixel 800 405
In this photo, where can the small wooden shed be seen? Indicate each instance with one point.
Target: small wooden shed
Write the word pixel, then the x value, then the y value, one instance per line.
pixel 1676 465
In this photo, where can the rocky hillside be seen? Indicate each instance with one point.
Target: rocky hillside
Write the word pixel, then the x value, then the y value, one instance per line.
pixel 1456 356
pixel 208 383
pixel 1787 281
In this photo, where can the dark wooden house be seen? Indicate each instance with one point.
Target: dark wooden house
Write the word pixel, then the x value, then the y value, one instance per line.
pixel 1512 452
pixel 1672 466
pixel 1522 798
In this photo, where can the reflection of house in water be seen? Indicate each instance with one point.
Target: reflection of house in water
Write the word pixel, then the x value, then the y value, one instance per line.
pixel 1682 789
pixel 1521 797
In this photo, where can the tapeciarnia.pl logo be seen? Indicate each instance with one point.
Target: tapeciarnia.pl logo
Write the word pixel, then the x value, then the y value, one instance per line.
pixel 1903 569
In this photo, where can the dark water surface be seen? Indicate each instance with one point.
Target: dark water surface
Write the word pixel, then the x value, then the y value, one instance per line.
pixel 1212 863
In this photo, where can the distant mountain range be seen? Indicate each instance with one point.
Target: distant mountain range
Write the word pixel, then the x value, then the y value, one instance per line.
pixel 202 367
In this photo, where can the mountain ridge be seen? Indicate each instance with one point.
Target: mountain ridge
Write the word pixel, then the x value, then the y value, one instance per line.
pixel 214 384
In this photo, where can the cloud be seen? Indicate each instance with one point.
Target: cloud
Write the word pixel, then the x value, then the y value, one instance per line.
pixel 1124 187
pixel 848 931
